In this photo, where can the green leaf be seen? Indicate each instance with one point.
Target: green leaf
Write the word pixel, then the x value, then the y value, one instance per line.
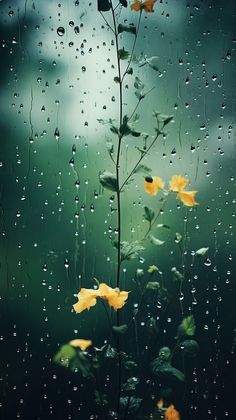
pixel 131 384
pixel 121 329
pixel 101 399
pixel 149 214
pixel 161 225
pixel 124 28
pixel 164 353
pixel 187 327
pixel 110 352
pixel 153 269
pixel 114 129
pixel 74 360
pixel 164 119
pixel 153 285
pixel 134 403
pixel 124 3
pixel 129 71
pixel 110 147
pixel 161 367
pixel 108 181
pixel 123 54
pixel 104 5
pixel 125 130
pixel 156 241
pixel 177 275
pixel 142 169
pixel 201 251
pixel 190 348
pixel 130 250
pixel 138 84
pixel 130 365
pixel 135 133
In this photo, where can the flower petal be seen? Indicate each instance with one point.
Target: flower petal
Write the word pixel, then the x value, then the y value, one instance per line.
pixel 136 6
pixel 81 343
pixel 114 297
pixel 148 5
pixel 177 183
pixel 153 184
pixel 87 298
pixel 187 198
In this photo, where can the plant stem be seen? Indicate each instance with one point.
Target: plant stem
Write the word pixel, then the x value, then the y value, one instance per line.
pixel 140 159
pixel 118 201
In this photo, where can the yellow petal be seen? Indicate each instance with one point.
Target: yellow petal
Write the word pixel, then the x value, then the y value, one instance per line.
pixel 177 183
pixel 171 413
pixel 187 198
pixel 153 184
pixel 81 343
pixel 114 297
pixel 160 403
pixel 118 299
pixel 148 5
pixel 86 299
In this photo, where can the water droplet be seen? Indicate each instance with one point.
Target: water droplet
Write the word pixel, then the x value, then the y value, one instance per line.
pixel 56 134
pixel 60 31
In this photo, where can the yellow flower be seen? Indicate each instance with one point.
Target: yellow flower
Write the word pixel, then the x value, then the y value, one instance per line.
pixel 115 297
pixel 153 184
pixel 160 403
pixel 87 298
pixel 177 183
pixel 187 198
pixel 146 5
pixel 81 343
pixel 171 413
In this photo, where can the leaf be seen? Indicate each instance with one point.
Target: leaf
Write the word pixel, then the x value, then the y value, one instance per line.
pixel 153 285
pixel 135 133
pixel 190 348
pixel 104 5
pixel 134 403
pixel 201 251
pixel 125 130
pixel 114 129
pixel 121 329
pixel 108 181
pixel 124 28
pixel 101 399
pixel 164 119
pixel 153 269
pixel 110 352
pixel 156 241
pixel 124 3
pixel 161 225
pixel 138 84
pixel 187 327
pixel 123 54
pixel 177 275
pixel 164 353
pixel 149 214
pixel 161 367
pixel 73 359
pixel 130 250
pixel 110 147
pixel 131 384
pixel 130 364
pixel 142 169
